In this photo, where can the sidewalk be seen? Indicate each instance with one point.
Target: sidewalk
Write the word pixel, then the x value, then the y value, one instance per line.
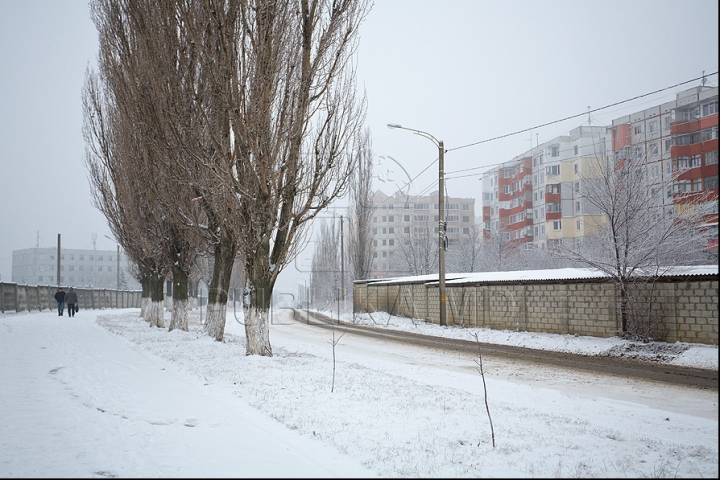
pixel 78 401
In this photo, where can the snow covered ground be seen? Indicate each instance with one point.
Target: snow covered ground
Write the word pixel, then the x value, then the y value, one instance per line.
pixel 103 395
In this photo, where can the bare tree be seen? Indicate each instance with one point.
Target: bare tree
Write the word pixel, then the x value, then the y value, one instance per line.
pixel 360 247
pixel 294 124
pixel 646 223
pixel 465 254
pixel 418 250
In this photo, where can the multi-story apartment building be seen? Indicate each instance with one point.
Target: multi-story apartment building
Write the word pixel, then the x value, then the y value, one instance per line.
pixel 399 219
pixel 78 268
pixel 679 140
pixel 535 198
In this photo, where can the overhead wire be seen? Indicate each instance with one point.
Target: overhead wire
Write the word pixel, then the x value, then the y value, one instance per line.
pixel 484 167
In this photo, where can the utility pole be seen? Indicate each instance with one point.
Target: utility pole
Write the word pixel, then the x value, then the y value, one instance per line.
pixel 442 241
pixel 342 261
pixel 58 262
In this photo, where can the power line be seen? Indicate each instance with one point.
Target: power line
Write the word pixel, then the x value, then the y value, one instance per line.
pixel 581 114
pixel 530 129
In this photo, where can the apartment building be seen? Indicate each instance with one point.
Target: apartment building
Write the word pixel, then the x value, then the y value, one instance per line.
pixel 535 201
pixel 680 141
pixel 398 220
pixel 78 268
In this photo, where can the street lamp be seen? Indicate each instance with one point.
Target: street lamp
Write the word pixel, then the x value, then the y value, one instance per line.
pixel 441 214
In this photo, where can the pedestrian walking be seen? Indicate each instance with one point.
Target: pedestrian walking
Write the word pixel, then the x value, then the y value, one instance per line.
pixel 60 299
pixel 71 299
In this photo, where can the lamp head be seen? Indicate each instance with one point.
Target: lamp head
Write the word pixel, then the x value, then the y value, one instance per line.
pixel 393 125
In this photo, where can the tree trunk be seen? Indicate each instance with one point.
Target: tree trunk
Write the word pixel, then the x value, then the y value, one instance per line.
pixel 145 300
pixel 179 317
pixel 257 319
pixel 156 316
pixel 218 292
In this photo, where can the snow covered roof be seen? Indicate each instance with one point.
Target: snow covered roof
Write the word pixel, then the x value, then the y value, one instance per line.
pixel 534 275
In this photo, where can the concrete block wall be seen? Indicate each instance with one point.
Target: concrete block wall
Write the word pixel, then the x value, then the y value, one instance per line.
pixel 688 309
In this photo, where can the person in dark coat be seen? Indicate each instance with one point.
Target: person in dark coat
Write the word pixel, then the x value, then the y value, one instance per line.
pixel 71 300
pixel 60 299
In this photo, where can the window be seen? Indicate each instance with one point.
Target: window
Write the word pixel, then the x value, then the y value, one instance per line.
pixel 40 279
pixel 453 218
pixel 708 134
pixel 576 149
pixel 384 219
pixel 552 170
pixel 466 218
pixel 391 230
pixel 557 225
pixel 555 151
pixel 684 163
pixel 577 225
pixel 100 257
pixel 99 269
pixel 666 123
pixel 653 150
pixel 406 218
pixel 406 229
pixel 391 218
pixel 668 145
pixel 507 173
pixel 554 207
pixel 578 207
pixel 711 182
pixel 453 206
pixel 374 243
pixel 652 126
pixel 466 231
pixel 384 242
pixel 576 168
pixel 421 218
pixel 710 108
pixel 654 171
pixel 384 230
pixel 374 254
pixel 72 268
pixel 80 268
pixel 421 206
pixel 466 207
pixel 552 188
pixel 696 185
pixel 109 269
pixel 711 158
pixel 637 130
pixel 391 241
pixel 576 187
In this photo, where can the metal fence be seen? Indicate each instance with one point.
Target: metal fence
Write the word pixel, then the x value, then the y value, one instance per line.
pixel 21 298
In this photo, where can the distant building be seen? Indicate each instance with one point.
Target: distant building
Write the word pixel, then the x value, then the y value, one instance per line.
pixel 398 219
pixel 535 201
pixel 78 268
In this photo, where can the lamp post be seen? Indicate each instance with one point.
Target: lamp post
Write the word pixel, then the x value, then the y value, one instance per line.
pixel 441 214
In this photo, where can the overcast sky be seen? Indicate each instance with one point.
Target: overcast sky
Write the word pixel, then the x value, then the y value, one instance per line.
pixel 463 71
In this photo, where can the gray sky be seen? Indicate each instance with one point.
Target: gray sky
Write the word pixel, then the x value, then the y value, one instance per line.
pixel 464 71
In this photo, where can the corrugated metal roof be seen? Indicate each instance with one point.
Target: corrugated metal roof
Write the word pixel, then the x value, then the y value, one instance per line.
pixel 537 275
